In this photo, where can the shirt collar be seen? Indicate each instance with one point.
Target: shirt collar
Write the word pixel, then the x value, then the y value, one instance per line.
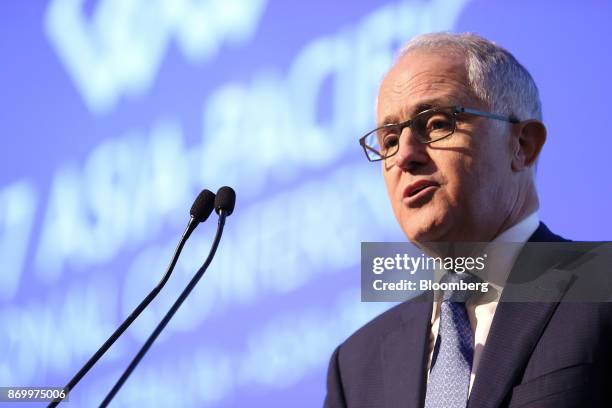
pixel 501 258
pixel 521 231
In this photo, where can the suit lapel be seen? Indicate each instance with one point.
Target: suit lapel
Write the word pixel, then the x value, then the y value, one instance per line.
pixel 404 353
pixel 515 331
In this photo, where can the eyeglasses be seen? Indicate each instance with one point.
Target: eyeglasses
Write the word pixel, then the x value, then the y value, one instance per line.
pixel 427 127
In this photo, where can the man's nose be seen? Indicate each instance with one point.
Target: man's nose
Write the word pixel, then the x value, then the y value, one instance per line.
pixel 411 153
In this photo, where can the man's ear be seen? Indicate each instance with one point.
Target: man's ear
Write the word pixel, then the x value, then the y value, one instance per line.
pixel 531 136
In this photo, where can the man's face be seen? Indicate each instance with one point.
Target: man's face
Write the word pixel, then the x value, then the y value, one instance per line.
pixel 469 185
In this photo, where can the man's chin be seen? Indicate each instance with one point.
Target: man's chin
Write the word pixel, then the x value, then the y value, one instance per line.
pixel 421 236
pixel 425 231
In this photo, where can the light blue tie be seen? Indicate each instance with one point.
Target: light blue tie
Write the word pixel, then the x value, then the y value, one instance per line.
pixel 451 365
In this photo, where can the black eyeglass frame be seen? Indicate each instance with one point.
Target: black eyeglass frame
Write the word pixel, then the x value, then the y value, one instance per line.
pixel 402 125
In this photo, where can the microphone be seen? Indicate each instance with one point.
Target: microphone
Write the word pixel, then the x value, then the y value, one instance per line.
pixel 202 206
pixel 225 201
pixel 200 211
pixel 224 206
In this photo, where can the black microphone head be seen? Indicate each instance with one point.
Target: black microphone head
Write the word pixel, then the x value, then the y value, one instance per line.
pixel 203 205
pixel 225 200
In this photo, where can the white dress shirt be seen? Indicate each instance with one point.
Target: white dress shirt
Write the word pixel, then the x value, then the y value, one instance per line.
pixel 481 311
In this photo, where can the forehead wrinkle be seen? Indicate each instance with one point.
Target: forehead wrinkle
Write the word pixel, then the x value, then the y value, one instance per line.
pixel 412 81
pixel 411 97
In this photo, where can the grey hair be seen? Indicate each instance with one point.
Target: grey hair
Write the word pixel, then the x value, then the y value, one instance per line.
pixel 495 76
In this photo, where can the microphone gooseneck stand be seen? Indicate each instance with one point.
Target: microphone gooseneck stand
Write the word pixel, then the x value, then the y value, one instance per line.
pixel 162 324
pixel 201 209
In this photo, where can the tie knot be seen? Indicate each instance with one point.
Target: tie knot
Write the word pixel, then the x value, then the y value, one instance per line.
pixel 459 287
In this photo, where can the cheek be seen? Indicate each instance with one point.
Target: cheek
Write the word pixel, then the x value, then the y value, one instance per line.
pixel 392 181
pixel 457 174
pixel 494 152
pixel 474 177
pixel 492 170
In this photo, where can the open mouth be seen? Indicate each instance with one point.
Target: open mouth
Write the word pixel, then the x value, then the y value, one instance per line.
pixel 418 190
pixel 417 187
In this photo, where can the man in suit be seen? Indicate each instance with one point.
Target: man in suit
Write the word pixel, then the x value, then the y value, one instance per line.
pixel 459 133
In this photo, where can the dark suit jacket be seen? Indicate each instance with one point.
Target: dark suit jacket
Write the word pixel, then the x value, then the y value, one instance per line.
pixel 537 354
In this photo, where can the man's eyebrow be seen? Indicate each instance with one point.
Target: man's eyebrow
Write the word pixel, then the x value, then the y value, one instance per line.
pixel 420 107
